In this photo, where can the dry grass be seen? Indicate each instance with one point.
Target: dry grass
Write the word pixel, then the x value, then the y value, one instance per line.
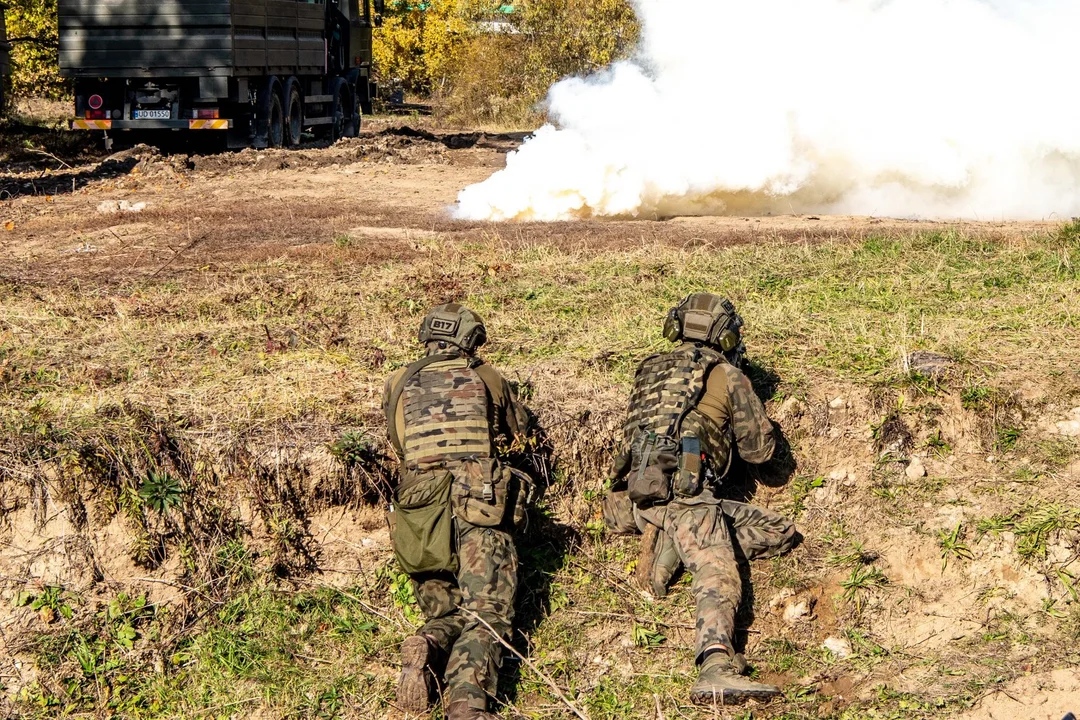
pixel 254 390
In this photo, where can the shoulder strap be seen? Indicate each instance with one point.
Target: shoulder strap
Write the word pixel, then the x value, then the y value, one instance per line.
pixel 709 361
pixel 395 394
pixel 477 362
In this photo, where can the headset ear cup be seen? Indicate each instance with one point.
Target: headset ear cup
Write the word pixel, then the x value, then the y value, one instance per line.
pixel 672 326
pixel 728 340
pixel 478 338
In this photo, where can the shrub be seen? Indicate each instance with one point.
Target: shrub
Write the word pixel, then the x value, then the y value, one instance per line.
pixel 446 49
pixel 35 69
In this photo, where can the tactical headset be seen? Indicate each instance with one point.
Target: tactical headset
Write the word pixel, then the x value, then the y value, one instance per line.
pixel 454 324
pixel 705 318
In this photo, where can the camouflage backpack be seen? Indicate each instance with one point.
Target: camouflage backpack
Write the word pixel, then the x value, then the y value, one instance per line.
pixel 664 455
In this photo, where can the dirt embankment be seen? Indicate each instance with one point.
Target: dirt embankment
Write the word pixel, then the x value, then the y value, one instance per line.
pixel 191 356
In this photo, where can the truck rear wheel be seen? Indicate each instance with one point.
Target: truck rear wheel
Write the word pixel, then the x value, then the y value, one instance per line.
pixel 340 111
pixel 294 112
pixel 271 117
pixel 352 126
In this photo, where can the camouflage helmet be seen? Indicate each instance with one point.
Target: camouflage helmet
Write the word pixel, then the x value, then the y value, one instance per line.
pixel 706 318
pixel 454 324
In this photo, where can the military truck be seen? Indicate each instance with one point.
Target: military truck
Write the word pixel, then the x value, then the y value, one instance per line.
pixel 5 62
pixel 259 72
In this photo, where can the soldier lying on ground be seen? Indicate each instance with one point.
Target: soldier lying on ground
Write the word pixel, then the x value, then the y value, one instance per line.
pixel 448 415
pixel 687 409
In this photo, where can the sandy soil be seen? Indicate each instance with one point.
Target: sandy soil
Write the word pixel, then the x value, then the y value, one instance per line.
pixel 384 192
pixel 140 215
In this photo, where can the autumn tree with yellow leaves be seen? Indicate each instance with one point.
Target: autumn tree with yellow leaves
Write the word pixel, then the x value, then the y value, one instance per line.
pixel 491 62
pixel 480 60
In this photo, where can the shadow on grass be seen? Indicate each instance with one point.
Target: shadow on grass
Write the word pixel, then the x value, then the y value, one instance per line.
pixel 543 550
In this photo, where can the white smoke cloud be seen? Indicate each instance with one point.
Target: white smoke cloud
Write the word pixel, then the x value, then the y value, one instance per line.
pixel 911 108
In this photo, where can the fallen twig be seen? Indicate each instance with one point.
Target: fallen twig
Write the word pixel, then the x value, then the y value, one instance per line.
pixel 540 673
pixel 366 606
pixel 50 155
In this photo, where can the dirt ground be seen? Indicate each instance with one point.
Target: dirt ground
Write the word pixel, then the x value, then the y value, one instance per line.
pixel 73 225
pixel 384 193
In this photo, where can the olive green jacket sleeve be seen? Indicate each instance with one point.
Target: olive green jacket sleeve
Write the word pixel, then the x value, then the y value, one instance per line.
pixel 511 417
pixel 730 401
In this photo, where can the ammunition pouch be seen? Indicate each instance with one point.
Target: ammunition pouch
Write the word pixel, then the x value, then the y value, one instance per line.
pixel 421 523
pixel 655 459
pixel 689 477
pixel 486 494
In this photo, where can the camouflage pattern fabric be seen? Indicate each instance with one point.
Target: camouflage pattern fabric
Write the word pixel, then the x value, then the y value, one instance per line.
pixel 485 584
pixel 451 412
pixel 446 415
pixel 750 425
pixel 711 538
pixel 711 535
pixel 665 387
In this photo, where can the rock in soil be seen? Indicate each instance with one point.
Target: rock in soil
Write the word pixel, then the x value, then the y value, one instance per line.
pixel 915 469
pixel 931 364
pixel 839 647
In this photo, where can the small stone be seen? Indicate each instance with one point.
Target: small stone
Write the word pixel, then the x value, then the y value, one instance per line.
pixel 1068 428
pixel 839 647
pixel 779 598
pixel 1059 553
pixel 367 542
pixel 915 469
pixel 837 403
pixel 111 207
pixel 125 206
pixel 991 459
pixel 790 409
pixel 931 364
pixel 838 474
pixel 797 611
pixel 825 495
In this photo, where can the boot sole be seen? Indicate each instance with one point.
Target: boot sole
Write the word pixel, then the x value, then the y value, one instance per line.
pixel 730 697
pixel 414 683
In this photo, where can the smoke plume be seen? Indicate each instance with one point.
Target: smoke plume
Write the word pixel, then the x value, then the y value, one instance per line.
pixel 908 108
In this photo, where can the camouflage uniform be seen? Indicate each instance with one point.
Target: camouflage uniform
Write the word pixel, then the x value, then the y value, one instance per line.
pixel 711 534
pixel 486 580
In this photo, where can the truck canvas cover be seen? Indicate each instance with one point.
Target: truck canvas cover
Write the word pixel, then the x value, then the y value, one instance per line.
pixel 154 38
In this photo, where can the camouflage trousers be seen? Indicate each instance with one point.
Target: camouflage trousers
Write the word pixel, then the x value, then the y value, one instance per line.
pixel 711 538
pixel 485 585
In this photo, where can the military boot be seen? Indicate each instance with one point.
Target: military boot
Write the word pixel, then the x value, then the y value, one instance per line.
pixel 417 680
pixel 719 683
pixel 460 710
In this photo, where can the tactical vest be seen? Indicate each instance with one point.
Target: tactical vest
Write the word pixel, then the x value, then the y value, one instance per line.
pixel 666 391
pixel 446 408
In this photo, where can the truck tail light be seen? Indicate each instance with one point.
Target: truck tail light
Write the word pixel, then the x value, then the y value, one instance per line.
pixel 207 114
pixel 95 114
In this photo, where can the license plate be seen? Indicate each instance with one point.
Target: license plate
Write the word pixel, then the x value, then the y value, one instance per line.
pixel 152 114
